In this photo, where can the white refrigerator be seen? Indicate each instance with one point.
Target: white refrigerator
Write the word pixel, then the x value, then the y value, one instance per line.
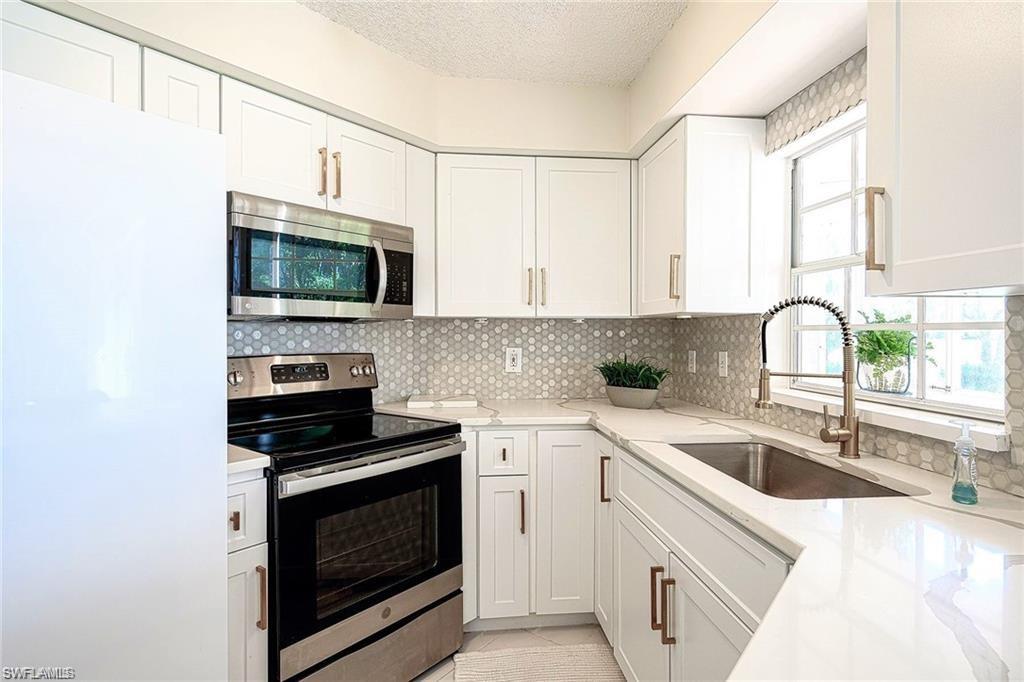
pixel 112 257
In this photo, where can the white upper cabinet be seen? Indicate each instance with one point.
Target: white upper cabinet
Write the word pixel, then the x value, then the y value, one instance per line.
pixel 180 91
pixel 701 248
pixel 944 138
pixel 275 147
pixel 583 235
pixel 485 236
pixel 48 47
pixel 419 215
pixel 366 172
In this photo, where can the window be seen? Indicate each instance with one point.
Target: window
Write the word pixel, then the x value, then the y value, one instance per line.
pixel 942 354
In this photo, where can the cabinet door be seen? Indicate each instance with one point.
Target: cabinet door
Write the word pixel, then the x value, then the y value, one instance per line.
pixel 945 144
pixel 709 637
pixel 180 91
pixel 275 148
pixel 247 614
pixel 504 546
pixel 603 536
pixel 366 172
pixel 583 237
pixel 420 192
pixel 565 522
pixel 503 453
pixel 641 561
pixel 45 46
pixel 485 236
pixel 660 218
pixel 469 534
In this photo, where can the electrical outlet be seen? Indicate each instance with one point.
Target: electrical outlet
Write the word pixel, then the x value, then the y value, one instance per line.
pixel 514 360
pixel 691 362
pixel 723 363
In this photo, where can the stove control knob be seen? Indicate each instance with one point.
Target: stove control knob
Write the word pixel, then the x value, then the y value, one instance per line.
pixel 373 370
pixel 367 370
pixel 354 371
pixel 236 378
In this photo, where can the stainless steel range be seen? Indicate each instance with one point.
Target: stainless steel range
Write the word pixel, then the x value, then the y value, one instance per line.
pixel 365 514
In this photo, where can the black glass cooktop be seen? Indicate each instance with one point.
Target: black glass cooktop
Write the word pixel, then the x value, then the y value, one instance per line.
pixel 338 437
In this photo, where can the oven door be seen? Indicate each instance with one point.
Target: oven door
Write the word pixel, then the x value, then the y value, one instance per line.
pixel 351 539
pixel 284 269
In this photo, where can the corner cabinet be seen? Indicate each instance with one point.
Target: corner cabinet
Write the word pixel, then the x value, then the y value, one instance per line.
pixel 702 238
pixel 944 139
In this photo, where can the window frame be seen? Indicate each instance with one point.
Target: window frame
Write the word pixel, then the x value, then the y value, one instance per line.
pixel 848 263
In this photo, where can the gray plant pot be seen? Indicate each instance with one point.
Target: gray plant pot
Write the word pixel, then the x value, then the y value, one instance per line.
pixel 636 398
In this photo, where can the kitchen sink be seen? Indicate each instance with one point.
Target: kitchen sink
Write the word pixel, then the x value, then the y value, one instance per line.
pixel 780 473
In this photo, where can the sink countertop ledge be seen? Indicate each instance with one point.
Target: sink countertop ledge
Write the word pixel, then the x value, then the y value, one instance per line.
pixel 897 588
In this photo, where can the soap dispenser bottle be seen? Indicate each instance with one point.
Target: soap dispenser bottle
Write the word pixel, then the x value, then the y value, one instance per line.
pixel 965 466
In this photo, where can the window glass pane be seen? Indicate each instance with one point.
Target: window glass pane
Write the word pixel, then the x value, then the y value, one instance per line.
pixel 965 367
pixel 825 232
pixel 959 309
pixel 826 173
pixel 828 284
pixel 859 226
pixel 870 309
pixel 860 143
pixel 820 351
pixel 885 362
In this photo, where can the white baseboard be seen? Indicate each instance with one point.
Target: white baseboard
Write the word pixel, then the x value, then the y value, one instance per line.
pixel 532 621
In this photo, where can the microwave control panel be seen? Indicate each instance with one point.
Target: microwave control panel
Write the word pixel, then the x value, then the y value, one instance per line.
pixel 399 287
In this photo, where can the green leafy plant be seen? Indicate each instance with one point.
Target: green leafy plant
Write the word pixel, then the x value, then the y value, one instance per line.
pixel 886 352
pixel 638 373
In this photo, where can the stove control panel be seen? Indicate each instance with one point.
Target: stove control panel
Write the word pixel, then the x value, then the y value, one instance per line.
pixel 265 375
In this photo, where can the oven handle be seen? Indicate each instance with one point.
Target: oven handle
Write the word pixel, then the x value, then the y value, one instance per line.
pixel 382 280
pixel 290 485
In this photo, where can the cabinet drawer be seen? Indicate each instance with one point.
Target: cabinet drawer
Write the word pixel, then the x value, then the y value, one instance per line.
pixel 504 452
pixel 247 514
pixel 742 571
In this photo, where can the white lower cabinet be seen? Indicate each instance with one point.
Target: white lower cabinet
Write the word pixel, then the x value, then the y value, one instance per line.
pixel 604 587
pixel 247 613
pixel 469 537
pixel 504 546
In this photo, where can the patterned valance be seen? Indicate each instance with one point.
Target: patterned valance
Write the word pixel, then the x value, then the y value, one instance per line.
pixel 842 88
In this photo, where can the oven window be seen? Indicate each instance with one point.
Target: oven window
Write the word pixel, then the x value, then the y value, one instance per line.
pixel 367 549
pixel 305 267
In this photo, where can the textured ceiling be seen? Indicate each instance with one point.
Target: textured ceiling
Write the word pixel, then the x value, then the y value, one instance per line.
pixel 604 42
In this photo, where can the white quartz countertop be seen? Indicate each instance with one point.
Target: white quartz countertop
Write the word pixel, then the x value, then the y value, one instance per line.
pixel 882 588
pixel 241 460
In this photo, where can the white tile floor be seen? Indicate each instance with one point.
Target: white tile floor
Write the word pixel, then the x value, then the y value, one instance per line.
pixel 515 639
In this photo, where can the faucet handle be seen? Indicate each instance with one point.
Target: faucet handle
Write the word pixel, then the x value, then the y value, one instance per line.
pixel 826 415
pixel 826 433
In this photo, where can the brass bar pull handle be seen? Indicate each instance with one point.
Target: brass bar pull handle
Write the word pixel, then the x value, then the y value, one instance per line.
pixel 323 171
pixel 261 571
pixel 504 455
pixel 337 175
pixel 522 512
pixel 673 275
pixel 529 286
pixel 543 286
pixel 655 572
pixel 604 481
pixel 236 520
pixel 870 257
pixel 666 613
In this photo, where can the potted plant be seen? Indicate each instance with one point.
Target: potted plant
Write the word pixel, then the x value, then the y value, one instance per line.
pixel 884 355
pixel 632 383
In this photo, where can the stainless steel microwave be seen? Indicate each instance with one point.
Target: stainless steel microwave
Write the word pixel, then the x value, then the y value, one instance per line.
pixel 291 261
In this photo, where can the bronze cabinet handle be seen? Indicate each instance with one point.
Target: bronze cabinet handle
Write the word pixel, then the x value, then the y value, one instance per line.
pixel 236 520
pixel 529 286
pixel 323 171
pixel 543 286
pixel 655 572
pixel 604 491
pixel 522 512
pixel 261 571
pixel 870 262
pixel 665 612
pixel 673 275
pixel 504 455
pixel 337 175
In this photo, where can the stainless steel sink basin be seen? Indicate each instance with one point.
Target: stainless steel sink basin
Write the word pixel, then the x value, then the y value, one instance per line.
pixel 780 473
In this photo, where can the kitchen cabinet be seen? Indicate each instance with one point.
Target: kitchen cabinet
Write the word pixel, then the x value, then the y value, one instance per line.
pixel 248 618
pixel 247 514
pixel 504 452
pixel 641 560
pixel 944 139
pixel 469 533
pixel 700 238
pixel 603 538
pixel 40 44
pixel 366 172
pixel 180 91
pixel 419 215
pixel 583 237
pixel 565 533
pixel 504 546
pixel 486 236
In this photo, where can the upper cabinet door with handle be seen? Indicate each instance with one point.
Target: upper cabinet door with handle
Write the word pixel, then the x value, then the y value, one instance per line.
pixel 275 147
pixel 366 172
pixel 583 227
pixel 485 236
pixel 944 139
pixel 180 91
pixel 660 216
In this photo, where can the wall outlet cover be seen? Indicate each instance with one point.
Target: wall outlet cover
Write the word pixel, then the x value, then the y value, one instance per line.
pixel 691 361
pixel 514 360
pixel 723 363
